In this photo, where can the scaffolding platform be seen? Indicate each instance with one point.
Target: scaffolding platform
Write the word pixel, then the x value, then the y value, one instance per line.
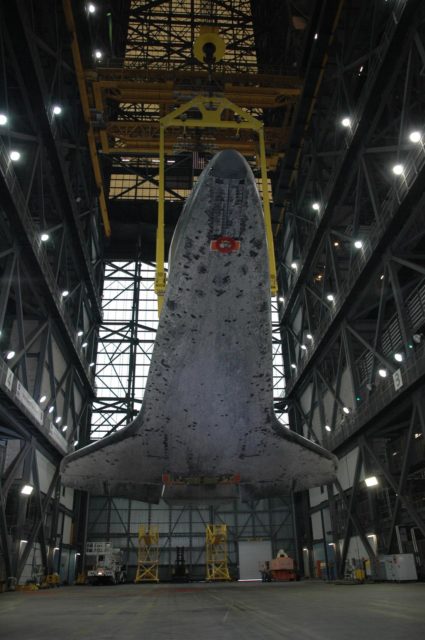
pixel 148 554
pixel 216 552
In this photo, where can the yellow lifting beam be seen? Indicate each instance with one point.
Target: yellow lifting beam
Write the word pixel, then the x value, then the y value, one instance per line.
pixel 148 555
pixel 216 552
pixel 212 111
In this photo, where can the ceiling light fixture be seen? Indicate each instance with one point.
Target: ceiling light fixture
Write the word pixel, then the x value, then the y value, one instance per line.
pixel 398 169
pixel 383 373
pixel 346 122
pixel 15 156
pixel 371 481
pixel 3 119
pixel 415 136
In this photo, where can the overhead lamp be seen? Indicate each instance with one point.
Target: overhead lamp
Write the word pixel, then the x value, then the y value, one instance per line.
pixel 315 206
pixel 327 427
pixel 91 8
pixel 415 136
pixel 98 54
pixel 305 549
pixel 3 119
pixel 309 336
pixel 330 297
pixel 303 347
pixel 51 409
pixel 383 373
pixel 23 541
pixel 91 364
pixel 65 293
pixel 418 435
pixel 84 345
pixel 80 333
pixel 42 399
pixel 281 299
pixel 398 357
pixel 58 419
pixel 293 366
pixel 346 122
pixel 57 110
pixel 358 244
pixel 64 428
pixel 381 276
pixel 75 443
pixel 398 169
pixel 336 243
pixel 14 156
pixel 371 481
pixel 125 159
pixel 10 355
pixel 316 35
pixel 44 237
pixel 346 410
pixel 27 490
pixel 294 265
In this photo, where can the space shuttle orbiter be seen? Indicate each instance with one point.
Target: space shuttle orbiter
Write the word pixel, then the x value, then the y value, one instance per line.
pixel 207 431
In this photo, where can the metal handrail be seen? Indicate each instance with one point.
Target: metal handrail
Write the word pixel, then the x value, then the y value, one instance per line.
pixel 34 239
pixel 411 371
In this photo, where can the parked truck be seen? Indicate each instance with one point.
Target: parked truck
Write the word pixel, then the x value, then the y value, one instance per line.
pixel 104 564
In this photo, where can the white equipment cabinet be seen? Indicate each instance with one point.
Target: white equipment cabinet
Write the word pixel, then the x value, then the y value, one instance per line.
pixel 399 567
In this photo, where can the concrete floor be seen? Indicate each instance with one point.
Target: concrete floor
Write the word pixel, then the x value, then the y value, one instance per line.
pixel 303 610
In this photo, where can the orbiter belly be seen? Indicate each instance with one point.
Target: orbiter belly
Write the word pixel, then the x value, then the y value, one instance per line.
pixel 207 430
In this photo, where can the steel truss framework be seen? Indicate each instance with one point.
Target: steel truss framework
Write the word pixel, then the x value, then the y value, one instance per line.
pixel 118 520
pixel 47 384
pixel 354 315
pixel 125 347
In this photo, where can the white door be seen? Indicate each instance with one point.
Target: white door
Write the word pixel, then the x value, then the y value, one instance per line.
pixel 251 553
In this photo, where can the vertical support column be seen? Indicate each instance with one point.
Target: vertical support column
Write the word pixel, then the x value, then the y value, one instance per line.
pixel 267 216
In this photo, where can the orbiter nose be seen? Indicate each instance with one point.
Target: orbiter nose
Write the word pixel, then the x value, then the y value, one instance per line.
pixel 229 164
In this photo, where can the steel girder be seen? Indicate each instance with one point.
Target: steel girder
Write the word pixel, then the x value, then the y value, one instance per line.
pixel 352 316
pixel 50 190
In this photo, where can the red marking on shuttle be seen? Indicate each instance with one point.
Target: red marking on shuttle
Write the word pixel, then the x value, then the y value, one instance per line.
pixel 225 244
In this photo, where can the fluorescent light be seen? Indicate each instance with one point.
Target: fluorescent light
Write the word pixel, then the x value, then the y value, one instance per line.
pixel 10 355
pixel 91 364
pixel 327 427
pixel 75 443
pixel 303 347
pixel 383 373
pixel 91 8
pixel 23 541
pixel 294 265
pixel 64 428
pixel 58 419
pixel 27 490
pixel 358 244
pixel 315 206
pixel 398 169
pixel 309 336
pixel 14 156
pixel 42 399
pixel 293 366
pixel 346 410
pixel 398 357
pixel 371 481
pixel 65 293
pixel 80 333
pixel 98 54
pixel 415 136
pixel 51 409
pixel 44 237
pixel 281 299
pixel 84 345
pixel 3 119
pixel 57 110
pixel 305 549
pixel 346 122
pixel 330 297
pixel 316 35
pixel 336 243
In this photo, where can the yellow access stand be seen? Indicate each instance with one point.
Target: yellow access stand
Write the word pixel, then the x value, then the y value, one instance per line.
pixel 148 556
pixel 216 552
